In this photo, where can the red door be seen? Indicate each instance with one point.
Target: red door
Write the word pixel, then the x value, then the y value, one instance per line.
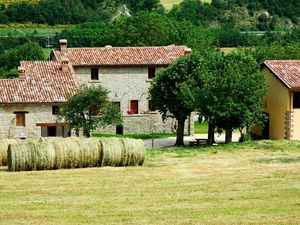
pixel 134 105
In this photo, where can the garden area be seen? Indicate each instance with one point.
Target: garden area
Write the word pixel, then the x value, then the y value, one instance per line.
pixel 241 183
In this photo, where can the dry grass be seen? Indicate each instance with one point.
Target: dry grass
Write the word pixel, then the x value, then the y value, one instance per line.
pixel 57 153
pixel 239 184
pixel 3 150
pixel 169 3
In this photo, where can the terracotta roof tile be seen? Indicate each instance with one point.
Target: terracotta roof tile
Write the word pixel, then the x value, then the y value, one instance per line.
pixel 122 55
pixel 288 71
pixel 44 82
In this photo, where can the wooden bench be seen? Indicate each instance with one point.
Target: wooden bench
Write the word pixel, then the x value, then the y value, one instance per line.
pixel 198 141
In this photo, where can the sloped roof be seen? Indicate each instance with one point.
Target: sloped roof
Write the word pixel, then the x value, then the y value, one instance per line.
pixel 114 56
pixel 44 82
pixel 288 71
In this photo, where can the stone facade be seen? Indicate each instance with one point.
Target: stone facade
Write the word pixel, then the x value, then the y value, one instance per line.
pixel 148 123
pixel 123 83
pixel 126 84
pixel 35 114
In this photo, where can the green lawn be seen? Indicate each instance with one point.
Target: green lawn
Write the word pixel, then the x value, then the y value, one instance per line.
pixel 24 31
pixel 249 183
pixel 201 128
pixel 137 136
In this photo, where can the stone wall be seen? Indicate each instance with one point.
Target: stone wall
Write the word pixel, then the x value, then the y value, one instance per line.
pixel 148 123
pixel 35 113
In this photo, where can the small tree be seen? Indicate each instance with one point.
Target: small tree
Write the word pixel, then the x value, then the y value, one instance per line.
pixel 172 91
pixel 89 109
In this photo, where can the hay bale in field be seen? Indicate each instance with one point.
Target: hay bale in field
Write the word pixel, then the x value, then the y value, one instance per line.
pixel 3 150
pixel 31 155
pixel 112 151
pixel 57 153
pixel 134 152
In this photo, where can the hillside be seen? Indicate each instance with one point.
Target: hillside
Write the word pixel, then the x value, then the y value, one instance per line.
pixel 6 2
pixel 168 4
pixel 265 15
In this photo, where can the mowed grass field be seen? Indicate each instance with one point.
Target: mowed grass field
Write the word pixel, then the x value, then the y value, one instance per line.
pixel 169 3
pixel 34 30
pixel 249 183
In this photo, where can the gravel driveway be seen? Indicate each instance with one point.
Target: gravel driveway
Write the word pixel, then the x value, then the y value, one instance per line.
pixel 169 142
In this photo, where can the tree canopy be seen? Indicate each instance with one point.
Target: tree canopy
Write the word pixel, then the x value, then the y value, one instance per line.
pixel 172 90
pixel 90 109
pixel 10 59
pixel 232 92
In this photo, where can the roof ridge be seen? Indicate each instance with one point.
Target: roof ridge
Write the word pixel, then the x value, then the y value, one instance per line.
pixel 104 47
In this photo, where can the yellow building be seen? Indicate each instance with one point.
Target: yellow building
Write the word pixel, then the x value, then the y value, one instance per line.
pixel 282 103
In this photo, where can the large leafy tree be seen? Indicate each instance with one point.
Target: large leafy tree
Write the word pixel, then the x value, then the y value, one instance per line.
pixel 10 59
pixel 172 91
pixel 232 93
pixel 89 109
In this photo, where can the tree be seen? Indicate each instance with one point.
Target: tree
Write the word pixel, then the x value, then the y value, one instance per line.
pixel 89 109
pixel 172 91
pixel 10 59
pixel 232 93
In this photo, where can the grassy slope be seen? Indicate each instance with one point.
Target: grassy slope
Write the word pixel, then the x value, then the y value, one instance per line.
pixel 238 184
pixel 169 3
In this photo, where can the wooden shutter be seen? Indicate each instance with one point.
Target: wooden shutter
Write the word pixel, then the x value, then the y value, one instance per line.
pixel 20 119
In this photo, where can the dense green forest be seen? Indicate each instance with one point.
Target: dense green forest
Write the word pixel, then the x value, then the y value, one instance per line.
pixel 245 15
pixel 201 26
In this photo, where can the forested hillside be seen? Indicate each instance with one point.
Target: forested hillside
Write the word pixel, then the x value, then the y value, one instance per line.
pixel 245 15
pixel 200 26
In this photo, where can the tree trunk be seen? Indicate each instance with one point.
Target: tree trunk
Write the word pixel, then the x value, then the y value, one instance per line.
pixel 86 133
pixel 211 133
pixel 77 132
pixel 180 133
pixel 228 137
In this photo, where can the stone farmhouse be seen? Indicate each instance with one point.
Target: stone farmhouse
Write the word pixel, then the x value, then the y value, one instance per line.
pixel 29 103
pixel 282 103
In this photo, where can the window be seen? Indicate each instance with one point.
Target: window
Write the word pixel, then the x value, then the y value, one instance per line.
pixel 55 110
pixel 151 72
pixel 296 100
pixel 150 106
pixel 94 74
pixel 134 106
pixel 20 119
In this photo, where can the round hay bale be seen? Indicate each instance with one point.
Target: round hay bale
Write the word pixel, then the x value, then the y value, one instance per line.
pixel 66 152
pixel 21 155
pixel 57 153
pixel 30 155
pixel 112 151
pixel 90 151
pixel 4 143
pixel 134 152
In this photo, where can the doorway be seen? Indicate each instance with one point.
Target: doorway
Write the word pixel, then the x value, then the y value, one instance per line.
pixel 51 131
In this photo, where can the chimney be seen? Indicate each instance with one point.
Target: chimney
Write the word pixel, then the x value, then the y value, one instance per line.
pixel 64 64
pixel 63 45
pixel 21 71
